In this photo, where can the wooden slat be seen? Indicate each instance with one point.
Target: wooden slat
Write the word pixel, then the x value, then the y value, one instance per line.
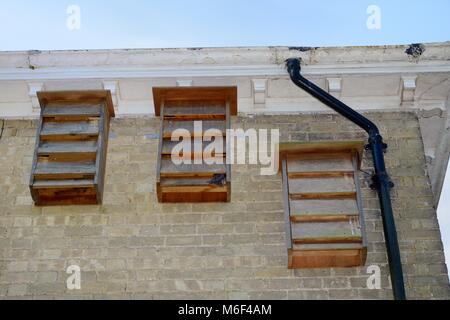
pixel 328 240
pixel 329 232
pixel 169 169
pixel 322 218
pixel 160 149
pixel 64 171
pixel 171 126
pixel 188 174
pixel 359 201
pixel 214 159
pixel 321 162
pixel 100 163
pixel 71 112
pixel 193 188
pixel 67 147
pixel 229 111
pixel 63 184
pixel 72 109
pixel 76 200
pixel 287 209
pixel 324 207
pixel 190 185
pixel 67 157
pixel 80 127
pixel 194 197
pixel 55 167
pixel 200 111
pixel 52 131
pixel 200 181
pixel 327 246
pixel 70 137
pixel 67 151
pixel 64 176
pixel 33 192
pixel 345 258
pixel 320 174
pixel 67 193
pixel 168 146
pixel 195 117
pixel 196 106
pixel 323 195
pixel 322 185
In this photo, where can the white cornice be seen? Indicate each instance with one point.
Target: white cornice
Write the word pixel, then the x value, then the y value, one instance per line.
pixel 217 62
pixel 219 71
pixel 81 70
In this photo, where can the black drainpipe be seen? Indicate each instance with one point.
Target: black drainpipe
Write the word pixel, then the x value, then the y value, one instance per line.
pixel 381 181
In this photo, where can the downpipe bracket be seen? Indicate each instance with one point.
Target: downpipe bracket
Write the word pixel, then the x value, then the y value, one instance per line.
pixel 385 146
pixel 376 139
pixel 377 178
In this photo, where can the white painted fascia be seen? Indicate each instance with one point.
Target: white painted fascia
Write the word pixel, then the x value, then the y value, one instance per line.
pixel 111 72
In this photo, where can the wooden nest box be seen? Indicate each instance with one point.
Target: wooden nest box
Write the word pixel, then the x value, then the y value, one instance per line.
pixel 201 116
pixel 323 208
pixel 71 145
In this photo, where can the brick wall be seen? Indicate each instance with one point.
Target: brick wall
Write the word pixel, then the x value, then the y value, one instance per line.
pixel 133 247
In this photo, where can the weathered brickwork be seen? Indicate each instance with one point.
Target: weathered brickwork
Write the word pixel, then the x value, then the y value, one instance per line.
pixel 132 247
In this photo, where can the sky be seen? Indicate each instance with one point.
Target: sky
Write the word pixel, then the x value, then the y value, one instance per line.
pixel 112 24
pixel 108 24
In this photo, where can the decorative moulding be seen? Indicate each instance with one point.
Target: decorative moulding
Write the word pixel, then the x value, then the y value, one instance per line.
pixel 185 83
pixel 33 89
pixel 408 88
pixel 259 92
pixel 132 72
pixel 335 86
pixel 113 87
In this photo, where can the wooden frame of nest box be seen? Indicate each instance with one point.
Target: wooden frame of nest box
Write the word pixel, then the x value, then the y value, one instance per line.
pixel 71 146
pixel 324 214
pixel 182 108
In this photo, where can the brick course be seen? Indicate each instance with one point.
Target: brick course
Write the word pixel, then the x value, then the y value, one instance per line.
pixel 132 247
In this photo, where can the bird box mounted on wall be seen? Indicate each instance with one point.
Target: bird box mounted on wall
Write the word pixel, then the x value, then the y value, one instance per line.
pixel 197 117
pixel 323 208
pixel 71 145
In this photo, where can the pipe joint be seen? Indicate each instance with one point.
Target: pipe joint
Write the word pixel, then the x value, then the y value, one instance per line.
pixel 378 179
pixel 294 65
pixel 376 139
